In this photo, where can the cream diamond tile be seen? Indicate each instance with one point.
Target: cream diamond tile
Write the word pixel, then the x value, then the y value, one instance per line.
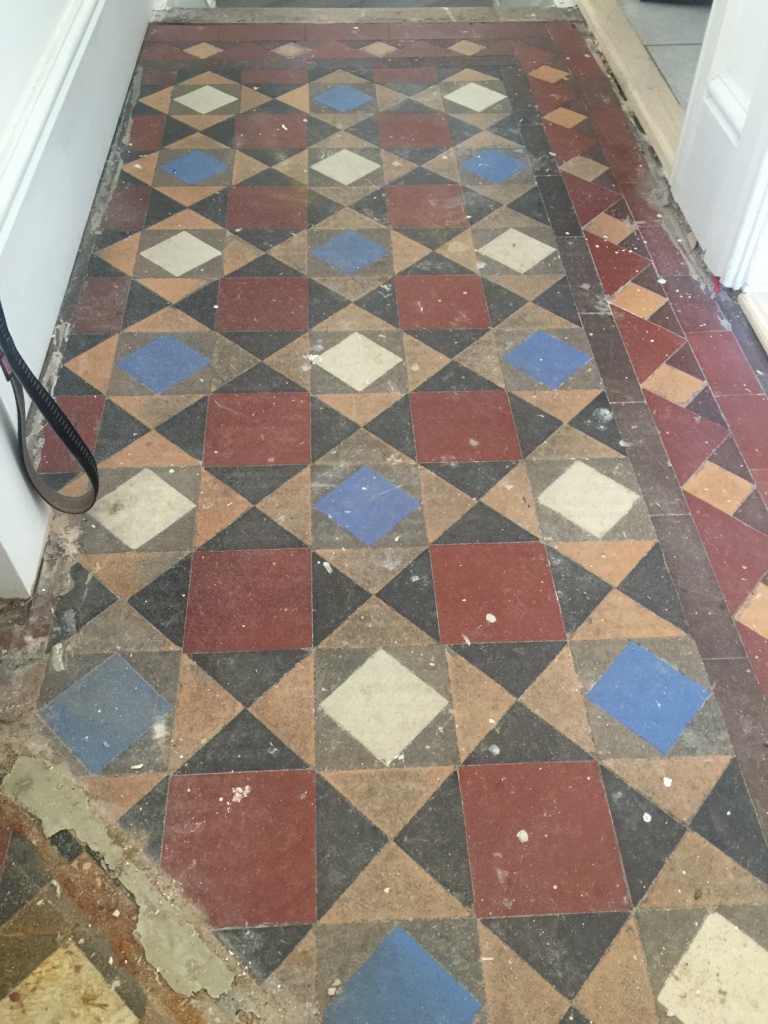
pixel 547 74
pixel 583 167
pixel 290 50
pixel 475 97
pixel 357 361
pixel 466 47
pixel 754 612
pixel 722 978
pixel 345 167
pixel 203 50
pixel 181 253
pixel 517 251
pixel 674 385
pixel 564 117
pixel 610 228
pixel 384 706
pixel 205 100
pixel 139 509
pixel 379 49
pixel 638 300
pixel 589 499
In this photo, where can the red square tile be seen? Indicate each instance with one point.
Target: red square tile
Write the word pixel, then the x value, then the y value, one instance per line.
pixel 289 76
pixel 147 132
pixel 85 412
pixel 494 593
pixel 250 601
pixel 569 863
pixel 267 206
pixel 270 131
pixel 101 305
pixel 127 208
pixel 464 426
pixel 426 206
pixel 747 416
pixel 726 367
pixel 248 862
pixel 258 430
pixel 405 75
pixel 414 130
pixel 441 302
pixel 263 304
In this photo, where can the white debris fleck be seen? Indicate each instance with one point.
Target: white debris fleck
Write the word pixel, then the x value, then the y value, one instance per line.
pixel 327 566
pixel 490 617
pixel 493 749
pixel 667 781
pixel 522 835
pixel 135 767
pixel 646 817
pixel 239 793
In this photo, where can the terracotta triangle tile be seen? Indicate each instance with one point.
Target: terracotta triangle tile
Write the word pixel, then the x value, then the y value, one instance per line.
pixel 190 194
pixel 112 795
pixel 360 408
pixel 564 405
pixel 512 497
pixel 288 709
pixel 128 573
pixel 185 220
pixel 293 361
pixel 217 507
pixel 462 250
pixel 367 568
pixel 470 75
pixel 421 361
pixel 95 365
pixel 615 266
pixel 386 98
pixel 173 289
pixel 197 141
pixel 738 553
pixel 528 286
pixel 290 505
pixel 346 140
pixel 619 617
pixel 610 560
pixel 150 450
pixel 237 254
pixel 293 985
pixel 353 288
pixel 295 167
pixel 152 410
pixel 588 199
pixel 619 987
pixel 393 166
pixel 159 100
pixel 121 620
pixel 363 447
pixel 377 625
pixel 144 168
pixel 209 78
pixel 389 797
pixel 483 357
pixel 168 319
pixel 201 122
pixel 557 697
pixel 244 167
pixel 229 361
pixel 569 443
pixel 353 318
pixel 443 503
pixel 699 875
pixel 349 220
pixel 531 317
pixel 393 888
pixel 202 708
pixel 250 100
pixel 298 98
pixel 406 252
pixel 478 703
pixel 514 991
pixel 691 780
pixel 122 255
pixel 293 252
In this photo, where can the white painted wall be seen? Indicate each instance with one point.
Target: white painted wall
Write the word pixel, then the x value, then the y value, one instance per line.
pixel 65 68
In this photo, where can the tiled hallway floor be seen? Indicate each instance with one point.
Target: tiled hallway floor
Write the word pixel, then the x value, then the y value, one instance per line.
pixel 408 414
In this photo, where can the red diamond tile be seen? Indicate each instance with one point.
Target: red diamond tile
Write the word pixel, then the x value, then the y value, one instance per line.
pixel 738 553
pixel 724 363
pixel 689 439
pixel 263 304
pixel 531 57
pixel 258 430
pixel 463 426
pixel 246 861
pixel 747 416
pixel 413 130
pixel 270 131
pixel 250 601
pixel 441 302
pixel 490 593
pixel 567 142
pixel 648 346
pixel 541 840
pixel 101 305
pixel 589 199
pixel 426 206
pixel 267 206
pixel 615 266
pixel 85 412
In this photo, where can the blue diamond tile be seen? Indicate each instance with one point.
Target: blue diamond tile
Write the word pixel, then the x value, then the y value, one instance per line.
pixel 164 362
pixel 194 167
pixel 342 98
pixel 349 252
pixel 493 165
pixel 103 713
pixel 402 984
pixel 367 505
pixel 648 696
pixel 547 359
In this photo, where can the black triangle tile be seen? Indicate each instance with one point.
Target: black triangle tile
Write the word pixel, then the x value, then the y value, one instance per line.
pixel 522 737
pixel 22 877
pixel 259 379
pixel 147 819
pixel 563 948
pixel 422 176
pixel 262 950
pixel 97 267
pixel 319 208
pixel 323 303
pixel 415 155
pixel 367 130
pixel 274 177
pixel 432 238
pixel 395 427
pixel 243 745
pixel 160 207
pixel 382 302
pixel 597 420
pixel 329 428
pixel 248 675
pixel 318 130
pixel 474 478
pixel 346 844
pixel 483 525
pixel 334 598
pixel 187 428
pixel 507 129
pixel 478 206
pixel 263 344
pixel 501 303
pixel 223 132
pixel 650 585
pixel 409 105
pixel 449 343
pixel 117 430
pixel 163 602
pixel 201 305
pixel 705 404
pixel 86 598
pixel 270 155
pixel 531 205
pixel 512 665
pixel 374 206
pixel 460 130
pixel 412 594
pixel 254 482
pixel 141 303
pixel 68 383
pixel 265 238
pixel 214 208
pixel 276 107
pixel 455 377
pixel 559 300
pixel 753 512
pixel 436 839
pixel 252 530
pixel 66 844
pixel 434 263
pixel 578 590
pixel 533 425
pixel 572 1016
pixel 175 131
pixel 646 835
pixel 727 819
pixel 58 481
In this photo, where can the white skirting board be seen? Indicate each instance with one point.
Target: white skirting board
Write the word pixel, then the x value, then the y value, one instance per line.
pixel 47 185
pixel 755 306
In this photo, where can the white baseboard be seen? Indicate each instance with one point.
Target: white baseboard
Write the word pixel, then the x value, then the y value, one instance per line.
pixel 755 306
pixel 46 192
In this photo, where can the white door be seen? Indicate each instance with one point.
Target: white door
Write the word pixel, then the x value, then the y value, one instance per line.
pixel 720 177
